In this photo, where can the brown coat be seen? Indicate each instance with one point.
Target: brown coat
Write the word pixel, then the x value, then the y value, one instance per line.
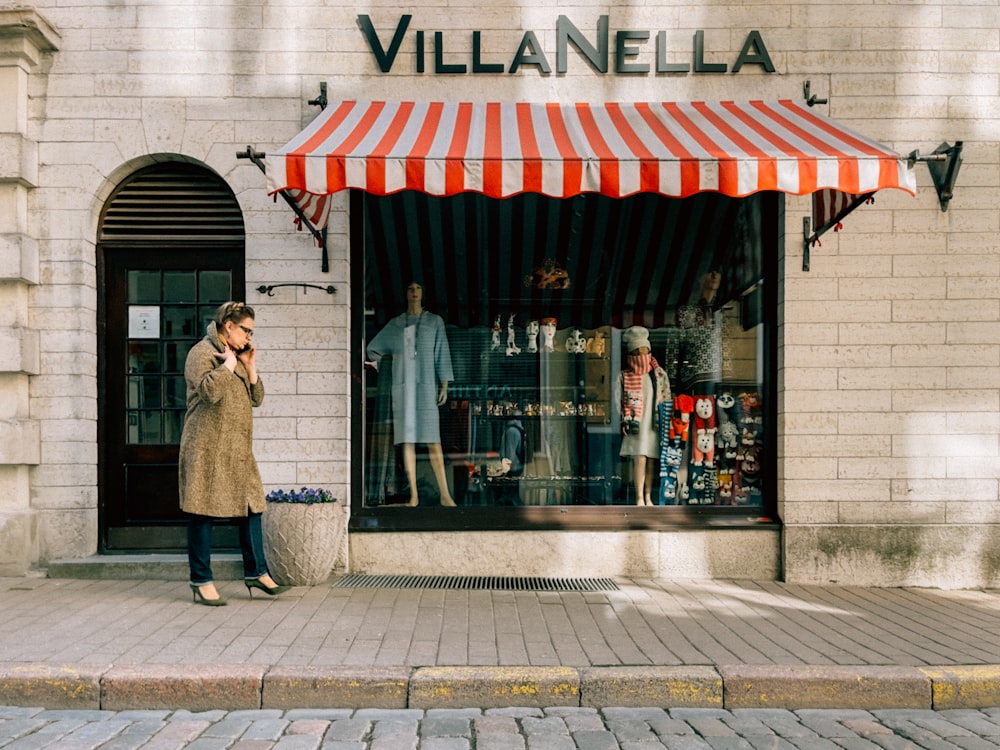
pixel 218 475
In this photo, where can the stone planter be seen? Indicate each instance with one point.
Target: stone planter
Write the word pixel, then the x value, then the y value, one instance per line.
pixel 301 541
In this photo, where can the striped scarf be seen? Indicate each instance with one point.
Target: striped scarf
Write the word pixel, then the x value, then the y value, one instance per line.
pixel 638 366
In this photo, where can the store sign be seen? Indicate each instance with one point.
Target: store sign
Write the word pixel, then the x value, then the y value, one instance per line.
pixel 629 56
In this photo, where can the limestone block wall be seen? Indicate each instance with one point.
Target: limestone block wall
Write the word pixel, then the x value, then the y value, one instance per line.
pixel 25 38
pixel 889 347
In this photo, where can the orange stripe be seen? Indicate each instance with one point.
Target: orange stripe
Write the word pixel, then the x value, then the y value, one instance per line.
pixel 416 160
pixel 728 174
pixel 493 152
pixel 375 161
pixel 888 163
pixel 649 165
pixel 720 155
pixel 807 165
pixel 336 174
pixel 609 163
pixel 767 166
pixel 847 168
pixel 454 167
pixel 295 161
pixel 690 175
pixel 571 163
pixel 531 157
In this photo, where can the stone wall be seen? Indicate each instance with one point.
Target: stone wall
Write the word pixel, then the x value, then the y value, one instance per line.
pixel 889 347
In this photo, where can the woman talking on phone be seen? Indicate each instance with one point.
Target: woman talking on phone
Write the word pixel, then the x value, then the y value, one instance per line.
pixel 218 475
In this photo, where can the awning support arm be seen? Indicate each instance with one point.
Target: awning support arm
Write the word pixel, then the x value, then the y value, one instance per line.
pixel 943 165
pixel 257 157
pixel 812 237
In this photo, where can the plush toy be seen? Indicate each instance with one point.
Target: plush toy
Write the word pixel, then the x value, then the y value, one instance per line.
pixel 727 439
pixel 748 443
pixel 725 488
pixel 596 344
pixel 575 343
pixel 724 408
pixel 512 347
pixel 495 342
pixel 704 413
pixel 703 448
pixel 681 419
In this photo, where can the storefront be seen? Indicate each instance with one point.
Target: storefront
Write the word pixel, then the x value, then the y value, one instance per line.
pixel 569 312
pixel 564 301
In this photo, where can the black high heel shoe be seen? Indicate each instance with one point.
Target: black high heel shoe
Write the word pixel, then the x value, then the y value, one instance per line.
pixel 255 583
pixel 199 598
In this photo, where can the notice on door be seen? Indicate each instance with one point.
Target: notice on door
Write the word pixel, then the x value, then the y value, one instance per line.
pixel 143 322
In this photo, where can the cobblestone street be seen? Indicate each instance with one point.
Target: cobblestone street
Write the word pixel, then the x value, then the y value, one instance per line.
pixel 498 729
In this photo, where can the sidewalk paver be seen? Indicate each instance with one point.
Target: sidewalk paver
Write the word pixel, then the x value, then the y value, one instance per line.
pixel 89 644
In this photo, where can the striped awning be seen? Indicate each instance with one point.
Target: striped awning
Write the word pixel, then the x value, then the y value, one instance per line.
pixel 562 150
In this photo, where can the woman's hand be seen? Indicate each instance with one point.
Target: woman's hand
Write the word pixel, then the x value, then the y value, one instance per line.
pixel 228 357
pixel 249 359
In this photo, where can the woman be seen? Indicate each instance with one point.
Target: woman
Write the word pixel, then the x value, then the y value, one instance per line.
pixel 421 370
pixel 643 386
pixel 218 475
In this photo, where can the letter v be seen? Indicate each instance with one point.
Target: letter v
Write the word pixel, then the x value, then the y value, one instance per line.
pixel 385 59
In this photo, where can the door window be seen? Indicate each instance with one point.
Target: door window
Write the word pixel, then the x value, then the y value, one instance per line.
pixel 182 304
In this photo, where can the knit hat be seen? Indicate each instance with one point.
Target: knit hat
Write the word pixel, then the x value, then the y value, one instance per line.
pixel 634 338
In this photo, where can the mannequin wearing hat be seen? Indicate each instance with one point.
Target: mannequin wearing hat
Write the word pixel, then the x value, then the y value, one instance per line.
pixel 644 385
pixel 421 370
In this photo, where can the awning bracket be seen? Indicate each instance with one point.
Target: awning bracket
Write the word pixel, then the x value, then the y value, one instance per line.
pixel 806 223
pixel 943 165
pixel 257 157
pixel 320 101
pixel 811 99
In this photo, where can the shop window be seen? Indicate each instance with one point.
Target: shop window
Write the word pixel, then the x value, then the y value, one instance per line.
pixel 529 309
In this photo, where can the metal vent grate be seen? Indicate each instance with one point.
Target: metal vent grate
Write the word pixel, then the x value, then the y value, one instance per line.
pixel 477 583
pixel 175 201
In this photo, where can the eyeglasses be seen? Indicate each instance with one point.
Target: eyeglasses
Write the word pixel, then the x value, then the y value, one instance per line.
pixel 247 331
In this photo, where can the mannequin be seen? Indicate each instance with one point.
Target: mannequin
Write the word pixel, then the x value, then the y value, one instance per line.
pixel 643 386
pixel 417 342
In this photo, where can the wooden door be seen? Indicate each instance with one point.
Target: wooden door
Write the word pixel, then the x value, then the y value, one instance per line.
pixel 160 283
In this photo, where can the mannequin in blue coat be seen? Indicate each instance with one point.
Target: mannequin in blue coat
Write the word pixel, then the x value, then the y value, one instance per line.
pixel 421 370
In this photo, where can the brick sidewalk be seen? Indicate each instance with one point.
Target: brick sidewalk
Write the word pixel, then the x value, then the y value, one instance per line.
pixel 142 643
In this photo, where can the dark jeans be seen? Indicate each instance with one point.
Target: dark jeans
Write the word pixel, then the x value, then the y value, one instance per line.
pixel 199 537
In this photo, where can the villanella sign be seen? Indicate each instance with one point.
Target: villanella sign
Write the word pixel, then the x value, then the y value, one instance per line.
pixel 629 57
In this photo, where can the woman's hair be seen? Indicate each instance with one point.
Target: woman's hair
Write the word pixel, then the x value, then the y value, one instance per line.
pixel 234 311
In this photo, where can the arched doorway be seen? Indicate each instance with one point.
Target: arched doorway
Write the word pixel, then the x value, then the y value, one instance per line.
pixel 170 250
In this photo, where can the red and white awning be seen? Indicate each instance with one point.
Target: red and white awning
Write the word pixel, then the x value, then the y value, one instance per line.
pixel 561 150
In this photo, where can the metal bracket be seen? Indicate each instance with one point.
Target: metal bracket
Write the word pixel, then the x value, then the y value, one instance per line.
pixel 811 99
pixel 320 101
pixel 805 249
pixel 257 157
pixel 268 289
pixel 943 165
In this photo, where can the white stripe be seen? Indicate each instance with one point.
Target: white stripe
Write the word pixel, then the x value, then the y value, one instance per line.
pixel 473 158
pixel 787 165
pixel 590 180
pixel 552 163
pixel 395 160
pixel 512 169
pixel 434 183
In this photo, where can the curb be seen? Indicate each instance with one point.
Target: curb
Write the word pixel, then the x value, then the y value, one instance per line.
pixel 242 686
